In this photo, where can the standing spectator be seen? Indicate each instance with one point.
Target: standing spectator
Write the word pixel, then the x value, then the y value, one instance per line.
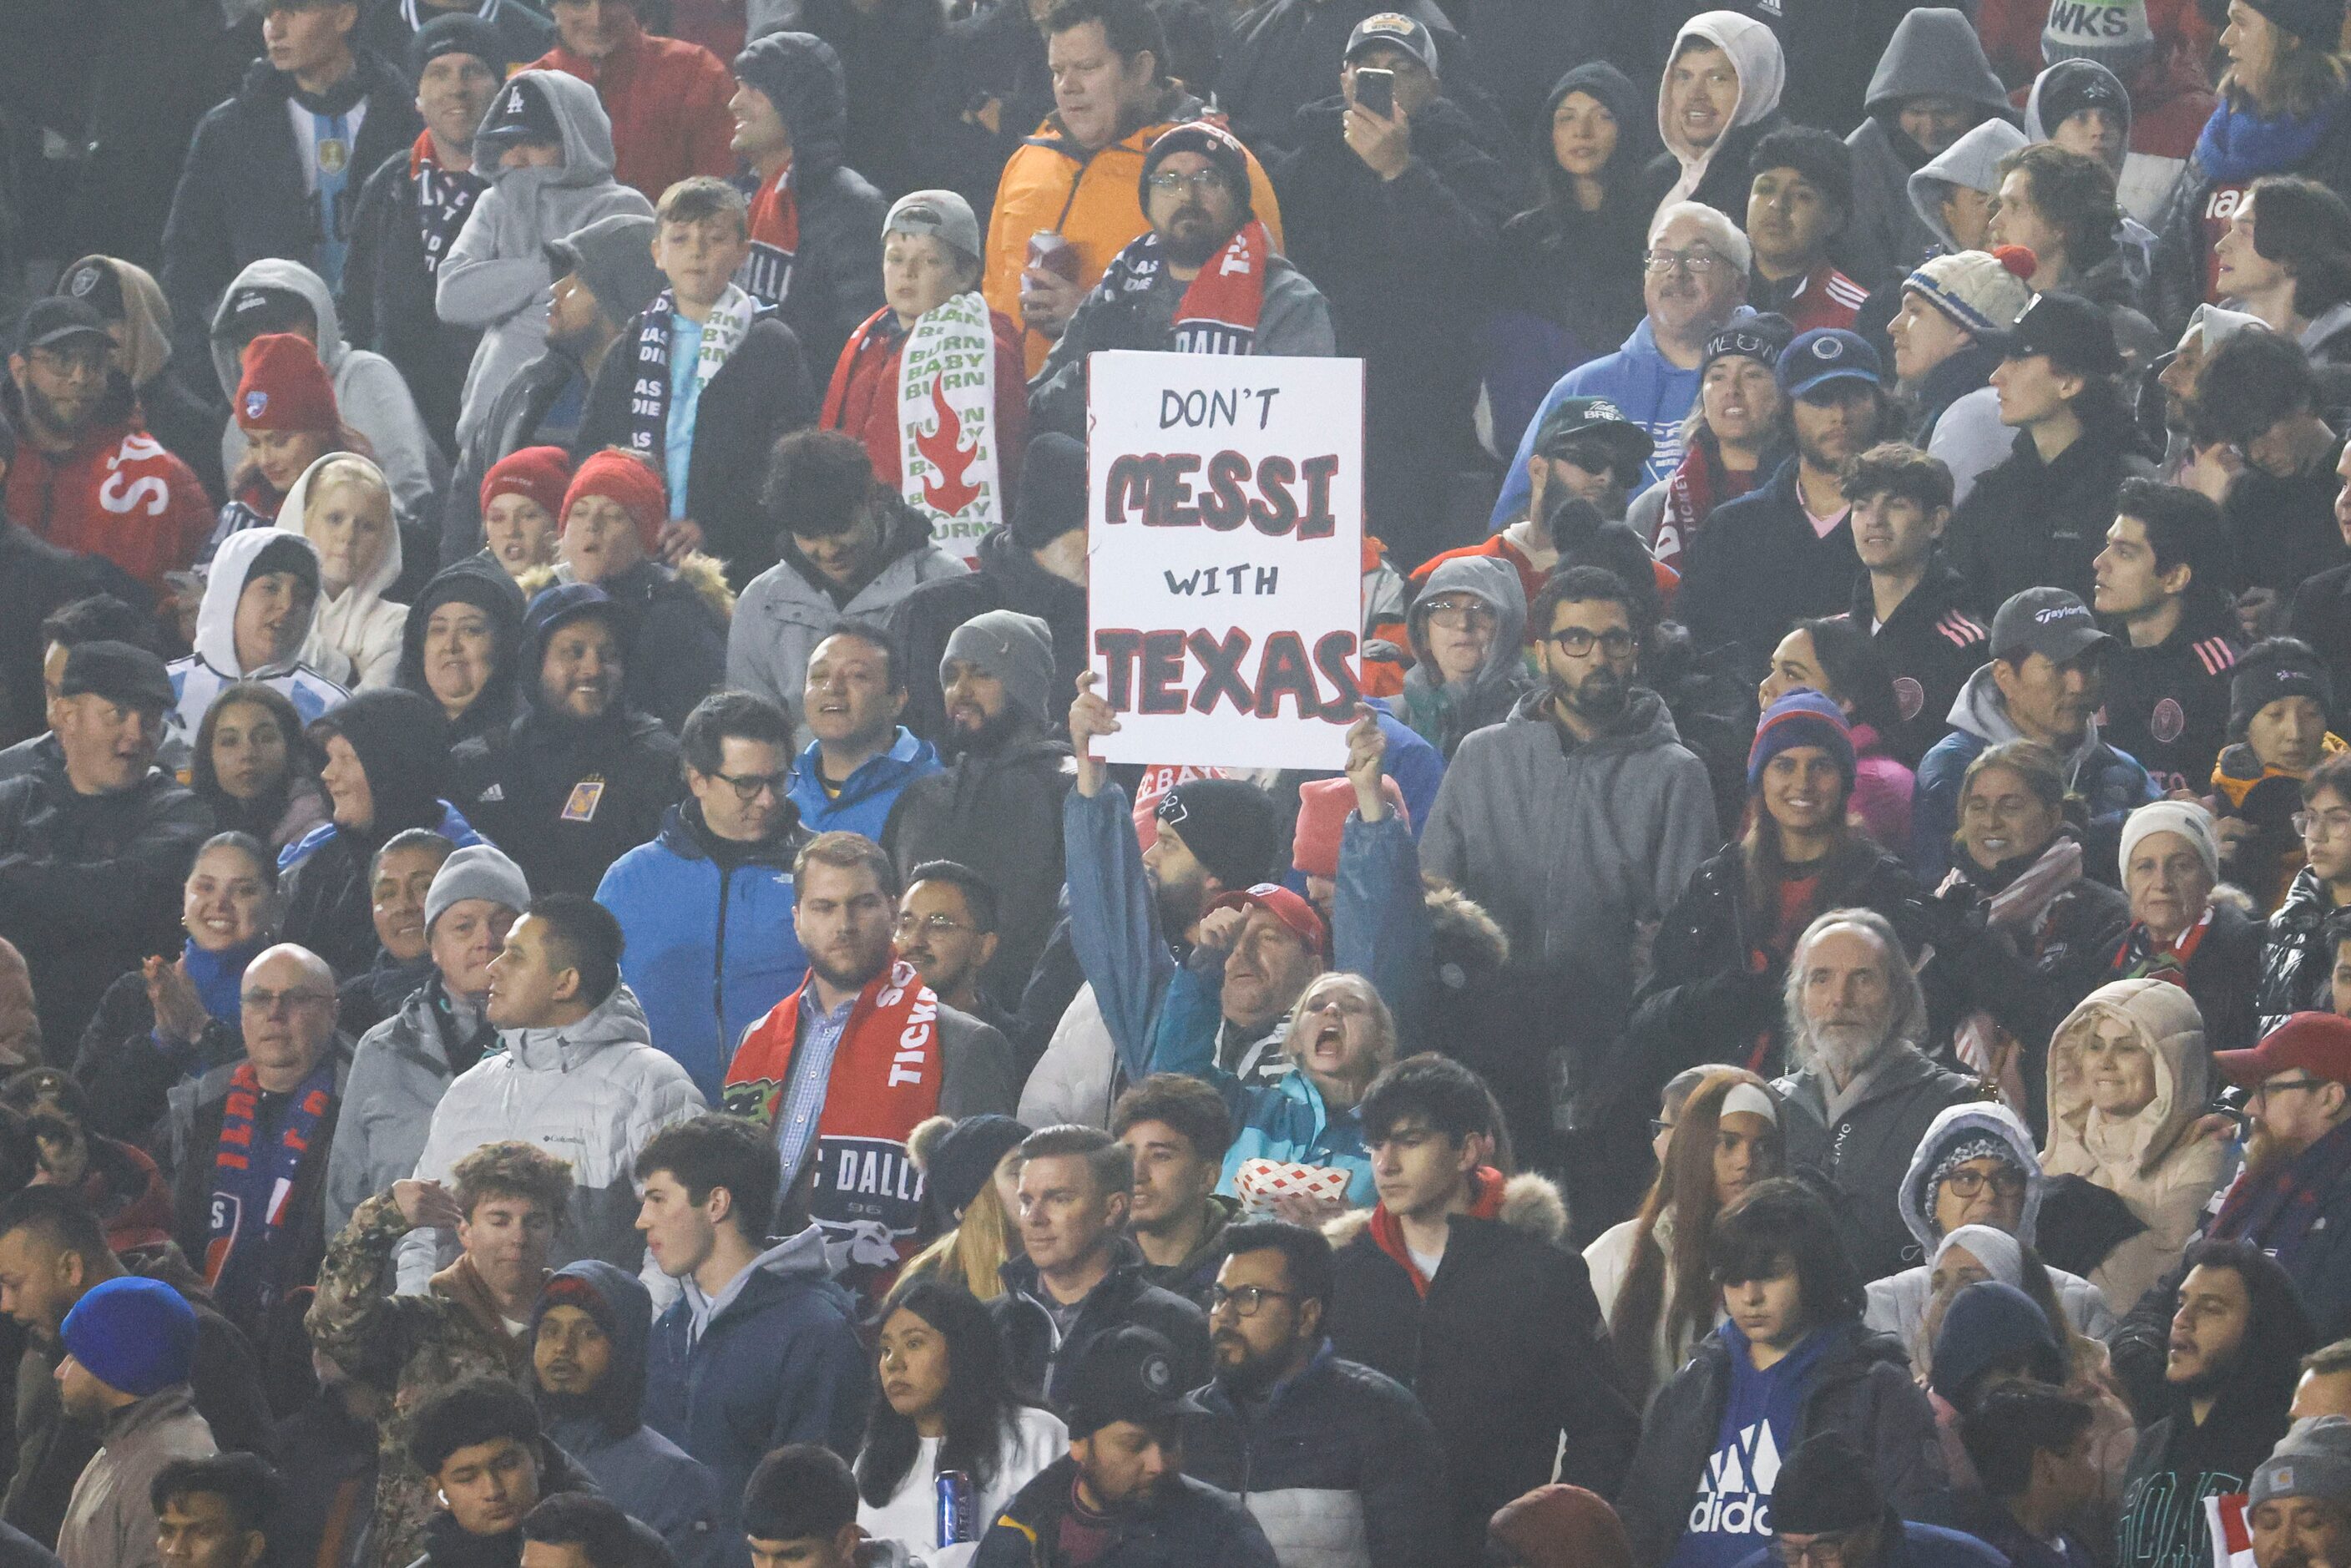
pixel 2300 1076
pixel 1737 414
pixel 2278 704
pixel 218 1512
pixel 575 1056
pixel 1467 632
pixel 284 419
pixel 1176 1129
pixel 761 1349
pixel 947 929
pixel 971 1179
pixel 613 515
pixel 2045 681
pixel 2292 271
pixel 505 1202
pixel 1455 1285
pixel 2060 206
pixel 405 1065
pixel 705 906
pixel 275 170
pixel 1799 204
pixel 82 443
pixel 399 875
pixel 546 145
pixel 590 1333
pixel 44 646
pixel 2179 931
pixel 581 777
pixel 666 98
pixel 1956 193
pixel 129 1345
pixel 510 32
pixel 480 1444
pixel 1386 207
pixel 90 854
pixel 885 51
pixel 862 759
pixel 1865 1091
pixel 519 513
pixel 342 504
pixel 986 87
pixel 1946 338
pixel 1931 86
pixel 461 645
pixel 2297 951
pixel 1719 96
pixel 847 546
pixel 709 379
pixel 416 201
pixel 2167 676
pixel 130 302
pixel 815 220
pixel 1836 657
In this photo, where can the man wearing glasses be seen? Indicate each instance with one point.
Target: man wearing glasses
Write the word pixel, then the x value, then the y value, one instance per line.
pixel 706 908
pixel 2293 1198
pixel 1827 1512
pixel 2301 950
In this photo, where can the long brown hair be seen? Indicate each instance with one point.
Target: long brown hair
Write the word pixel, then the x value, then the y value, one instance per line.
pixel 1685 1189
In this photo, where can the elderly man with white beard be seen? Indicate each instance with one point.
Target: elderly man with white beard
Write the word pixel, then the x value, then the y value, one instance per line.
pixel 1864 1092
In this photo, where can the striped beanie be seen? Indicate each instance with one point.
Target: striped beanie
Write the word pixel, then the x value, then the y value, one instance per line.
pixel 2114 33
pixel 1983 292
pixel 1802 716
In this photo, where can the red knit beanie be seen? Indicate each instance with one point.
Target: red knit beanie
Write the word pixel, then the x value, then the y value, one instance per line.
pixel 535 472
pixel 631 481
pixel 284 387
pixel 1323 808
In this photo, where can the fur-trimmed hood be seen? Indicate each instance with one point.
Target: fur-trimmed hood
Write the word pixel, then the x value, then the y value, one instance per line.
pixel 1530 1203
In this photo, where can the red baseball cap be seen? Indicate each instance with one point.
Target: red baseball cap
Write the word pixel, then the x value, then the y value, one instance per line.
pixel 2318 1043
pixel 1290 909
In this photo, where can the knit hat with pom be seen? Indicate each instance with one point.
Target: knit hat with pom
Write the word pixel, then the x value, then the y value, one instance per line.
pixel 1982 291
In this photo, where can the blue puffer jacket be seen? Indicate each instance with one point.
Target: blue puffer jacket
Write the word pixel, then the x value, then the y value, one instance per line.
pixel 865 799
pixel 710 944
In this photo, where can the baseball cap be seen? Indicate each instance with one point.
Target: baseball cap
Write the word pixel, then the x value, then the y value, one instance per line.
pixel 941 213
pixel 96 284
pixel 1828 354
pixel 1284 906
pixel 2075 335
pixel 119 672
pixel 1126 1375
pixel 58 319
pixel 519 116
pixel 2317 1043
pixel 1573 419
pixel 255 311
pixel 2047 621
pixel 1393 27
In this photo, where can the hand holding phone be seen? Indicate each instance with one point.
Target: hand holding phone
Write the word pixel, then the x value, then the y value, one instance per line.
pixel 1376 91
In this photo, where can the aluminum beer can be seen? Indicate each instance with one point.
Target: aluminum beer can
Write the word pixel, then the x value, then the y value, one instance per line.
pixel 957 1505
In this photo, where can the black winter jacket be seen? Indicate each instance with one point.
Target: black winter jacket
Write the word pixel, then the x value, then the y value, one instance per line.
pixel 127 1076
pixel 1038 1358
pixel 1187 1524
pixel 2029 524
pixel 2297 965
pixel 2225 976
pixel 36 578
pixel 2321 617
pixel 1931 643
pixel 1757 567
pixel 1866 1152
pixel 1278 58
pixel 386 303
pixel 987 89
pixel 1861 1390
pixel 242 198
pixel 2167 706
pixel 1009 579
pixel 522 794
pixel 682 634
pixel 883 52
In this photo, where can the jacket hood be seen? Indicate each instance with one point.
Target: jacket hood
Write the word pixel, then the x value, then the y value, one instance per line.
pixel 1645 725
pixel 1493 580
pixel 348 611
pixel 483 584
pixel 1960 1123
pixel 1532 1205
pixel 618 1019
pixel 1972 163
pixel 802 76
pixel 579 115
pixel 627 1316
pixel 288 277
pixel 2036 130
pixel 402 741
pixel 1981 711
pixel 146 317
pixel 225 581
pixel 2165 1021
pixel 1755 54
pixel 1935 49
pixel 1617 94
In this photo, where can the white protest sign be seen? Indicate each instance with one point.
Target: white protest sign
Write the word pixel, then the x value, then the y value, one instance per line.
pixel 1225 541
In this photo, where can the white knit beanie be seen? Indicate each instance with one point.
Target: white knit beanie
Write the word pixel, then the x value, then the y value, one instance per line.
pixel 2186 818
pixel 1983 292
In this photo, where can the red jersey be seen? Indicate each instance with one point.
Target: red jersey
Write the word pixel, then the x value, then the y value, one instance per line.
pixel 118 494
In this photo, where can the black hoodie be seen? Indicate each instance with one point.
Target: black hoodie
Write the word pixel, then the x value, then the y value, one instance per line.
pixel 484 585
pixel 1582 271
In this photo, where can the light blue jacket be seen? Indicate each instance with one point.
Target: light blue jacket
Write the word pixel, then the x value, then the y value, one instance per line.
pixel 865 799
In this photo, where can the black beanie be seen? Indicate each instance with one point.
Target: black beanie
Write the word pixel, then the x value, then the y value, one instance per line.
pixel 1825 1488
pixel 290 552
pixel 1219 146
pixel 1052 490
pixel 457 33
pixel 2317 23
pixel 2273 668
pixel 1231 827
pixel 964 1161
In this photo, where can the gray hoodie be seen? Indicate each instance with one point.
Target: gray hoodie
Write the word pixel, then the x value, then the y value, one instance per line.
pixel 1970 163
pixel 495 277
pixel 1443 712
pixel 370 392
pixel 399 1073
pixel 1934 51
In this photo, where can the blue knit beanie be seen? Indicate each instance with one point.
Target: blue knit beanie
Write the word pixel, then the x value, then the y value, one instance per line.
pixel 1801 717
pixel 1986 1324
pixel 136 1336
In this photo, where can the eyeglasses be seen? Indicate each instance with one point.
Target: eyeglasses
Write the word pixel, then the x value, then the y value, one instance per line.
pixel 1969 1183
pixel 1575 641
pixel 88 361
pixel 268 1002
pixel 749 787
pixel 1454 615
pixel 931 924
pixel 1827 1551
pixel 1247 1300
pixel 2285 1086
pixel 1199 182
pixel 2321 824
pixel 1697 263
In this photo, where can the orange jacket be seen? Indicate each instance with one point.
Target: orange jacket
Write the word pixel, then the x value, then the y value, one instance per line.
pixel 1094 200
pixel 667 101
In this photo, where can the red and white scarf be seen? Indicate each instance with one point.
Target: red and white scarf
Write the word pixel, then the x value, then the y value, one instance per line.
pixel 1218 313
pixel 766 274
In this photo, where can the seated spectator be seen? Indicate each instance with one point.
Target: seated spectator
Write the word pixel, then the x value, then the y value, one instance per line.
pixel 1178 1130
pixel 1954 193
pixel 546 146
pixel 848 546
pixel 2161 577
pixel 2280 698
pixel 1122 1480
pixel 130 1346
pixel 36 653
pixel 576 1053
pixel 946 1406
pixel 2179 932
pixel 253 628
pixel 2292 271
pixel 131 304
pixel 385 754
pixel 590 1333
pixel 250 768
pixel 2297 1501
pixel 949 928
pixel 1468 627
pixel 1455 1285
pixel 971 1185
pixel 1736 416
pixel 79 434
pixel 613 521
pixel 1649 1273
pixel 505 1203
pixel 1930 89
pixel 2059 204
pixel 172 1020
pixel 761 1349
pixel 2030 1446
pixel 2266 456
pixel 91 853
pixel 589 1528
pixel 342 507
pixel 2297 951
pixel 459 645
pixel 404 1065
pixel 1719 96
pixel 1835 658
pixel 219 1511
pixel 284 412
pixel 115 1180
pixel 801 1507
pixel 1798 208
pixel 521 509
pixel 816 226
pixel 2045 681
pixel 710 379
pixel 849 777
pixel 249 1143
pixel 1557 1526
pixel 2321 1388
pixel 399 875
pixel 705 905
pixel 478 1443
pixel 666 98
pixel 1826 1495
pixel 1946 338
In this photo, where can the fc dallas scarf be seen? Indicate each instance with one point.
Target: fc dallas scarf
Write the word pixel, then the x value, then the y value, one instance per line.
pixel 253 1188
pixel 884 1083
pixel 767 273
pixel 649 391
pixel 947 418
pixel 444 198
pixel 1220 309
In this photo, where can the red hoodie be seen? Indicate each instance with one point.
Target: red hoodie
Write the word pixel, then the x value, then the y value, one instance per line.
pixel 1387 1231
pixel 117 494
pixel 667 101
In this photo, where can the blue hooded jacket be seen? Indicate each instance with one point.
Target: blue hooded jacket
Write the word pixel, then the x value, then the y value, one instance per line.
pixel 867 795
pixel 648 1477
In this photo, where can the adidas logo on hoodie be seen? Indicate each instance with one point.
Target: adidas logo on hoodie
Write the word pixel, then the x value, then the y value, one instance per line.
pixel 1736 1497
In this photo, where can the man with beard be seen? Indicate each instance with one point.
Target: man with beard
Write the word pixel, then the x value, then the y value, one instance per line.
pixel 2238 1334
pixel 1206 280
pixel 1785 552
pixel 2299 1505
pixel 1318 1448
pixel 846 1067
pixel 1865 1092
pixel 947 928
pixel 998 806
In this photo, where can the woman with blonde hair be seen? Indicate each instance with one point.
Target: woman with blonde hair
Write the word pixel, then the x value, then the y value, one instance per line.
pixel 342 504
pixel 971 1175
